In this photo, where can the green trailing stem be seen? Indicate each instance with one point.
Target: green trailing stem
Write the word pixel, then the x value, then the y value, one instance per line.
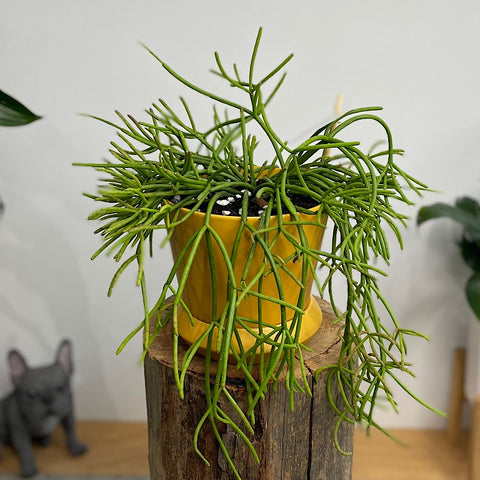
pixel 168 161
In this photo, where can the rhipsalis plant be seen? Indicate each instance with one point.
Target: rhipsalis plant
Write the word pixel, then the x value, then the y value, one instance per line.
pixel 167 162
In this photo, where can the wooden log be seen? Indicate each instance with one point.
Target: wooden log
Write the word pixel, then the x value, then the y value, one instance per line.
pixel 293 445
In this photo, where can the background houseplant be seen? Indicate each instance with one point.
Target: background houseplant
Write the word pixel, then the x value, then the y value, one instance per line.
pixel 167 162
pixel 13 114
pixel 466 212
pixel 465 382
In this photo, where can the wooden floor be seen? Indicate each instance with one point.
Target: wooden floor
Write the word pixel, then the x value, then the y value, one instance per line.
pixel 427 455
pixel 121 449
pixel 113 448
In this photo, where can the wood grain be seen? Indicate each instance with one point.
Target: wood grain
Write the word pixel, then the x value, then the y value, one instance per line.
pixel 294 445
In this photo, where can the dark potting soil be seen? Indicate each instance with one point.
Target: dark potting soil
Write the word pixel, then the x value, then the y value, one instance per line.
pixel 231 205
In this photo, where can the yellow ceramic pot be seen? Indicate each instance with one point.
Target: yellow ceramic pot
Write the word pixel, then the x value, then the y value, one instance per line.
pixel 197 294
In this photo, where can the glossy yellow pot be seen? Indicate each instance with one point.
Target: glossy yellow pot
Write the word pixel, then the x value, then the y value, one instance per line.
pixel 197 294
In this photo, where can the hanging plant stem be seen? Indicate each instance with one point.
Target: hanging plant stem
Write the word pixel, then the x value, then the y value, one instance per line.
pixel 166 169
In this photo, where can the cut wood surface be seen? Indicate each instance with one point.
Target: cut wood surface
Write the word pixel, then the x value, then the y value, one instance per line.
pixel 291 445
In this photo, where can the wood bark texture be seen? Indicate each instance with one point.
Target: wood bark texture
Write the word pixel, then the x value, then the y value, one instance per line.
pixel 291 445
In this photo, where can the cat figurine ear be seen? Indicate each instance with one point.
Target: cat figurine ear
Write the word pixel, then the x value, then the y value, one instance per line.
pixel 64 357
pixel 18 366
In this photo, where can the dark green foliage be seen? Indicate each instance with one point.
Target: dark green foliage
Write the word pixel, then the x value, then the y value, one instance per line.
pixel 466 212
pixel 13 113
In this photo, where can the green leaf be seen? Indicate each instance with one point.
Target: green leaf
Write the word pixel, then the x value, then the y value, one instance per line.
pixel 472 290
pixel 468 204
pixel 471 253
pixel 13 113
pixel 464 212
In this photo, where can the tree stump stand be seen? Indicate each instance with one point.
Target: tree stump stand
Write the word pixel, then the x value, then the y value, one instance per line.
pixel 293 445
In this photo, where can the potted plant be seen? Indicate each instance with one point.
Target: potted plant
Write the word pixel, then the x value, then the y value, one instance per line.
pixel 466 212
pixel 204 187
pixel 466 364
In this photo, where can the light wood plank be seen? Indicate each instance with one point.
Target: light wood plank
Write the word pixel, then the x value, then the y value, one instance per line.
pixel 474 458
pixel 457 397
pixel 114 448
pixel 428 455
pixel 121 449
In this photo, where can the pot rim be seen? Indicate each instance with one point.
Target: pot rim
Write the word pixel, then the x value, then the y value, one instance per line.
pixel 232 218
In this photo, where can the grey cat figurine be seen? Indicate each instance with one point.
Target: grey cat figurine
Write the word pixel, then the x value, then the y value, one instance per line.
pixel 42 399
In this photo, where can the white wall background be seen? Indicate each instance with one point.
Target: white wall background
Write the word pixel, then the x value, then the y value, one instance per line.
pixel 418 59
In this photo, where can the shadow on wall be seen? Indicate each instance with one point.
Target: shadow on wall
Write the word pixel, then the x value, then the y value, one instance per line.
pixel 43 296
pixel 427 282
